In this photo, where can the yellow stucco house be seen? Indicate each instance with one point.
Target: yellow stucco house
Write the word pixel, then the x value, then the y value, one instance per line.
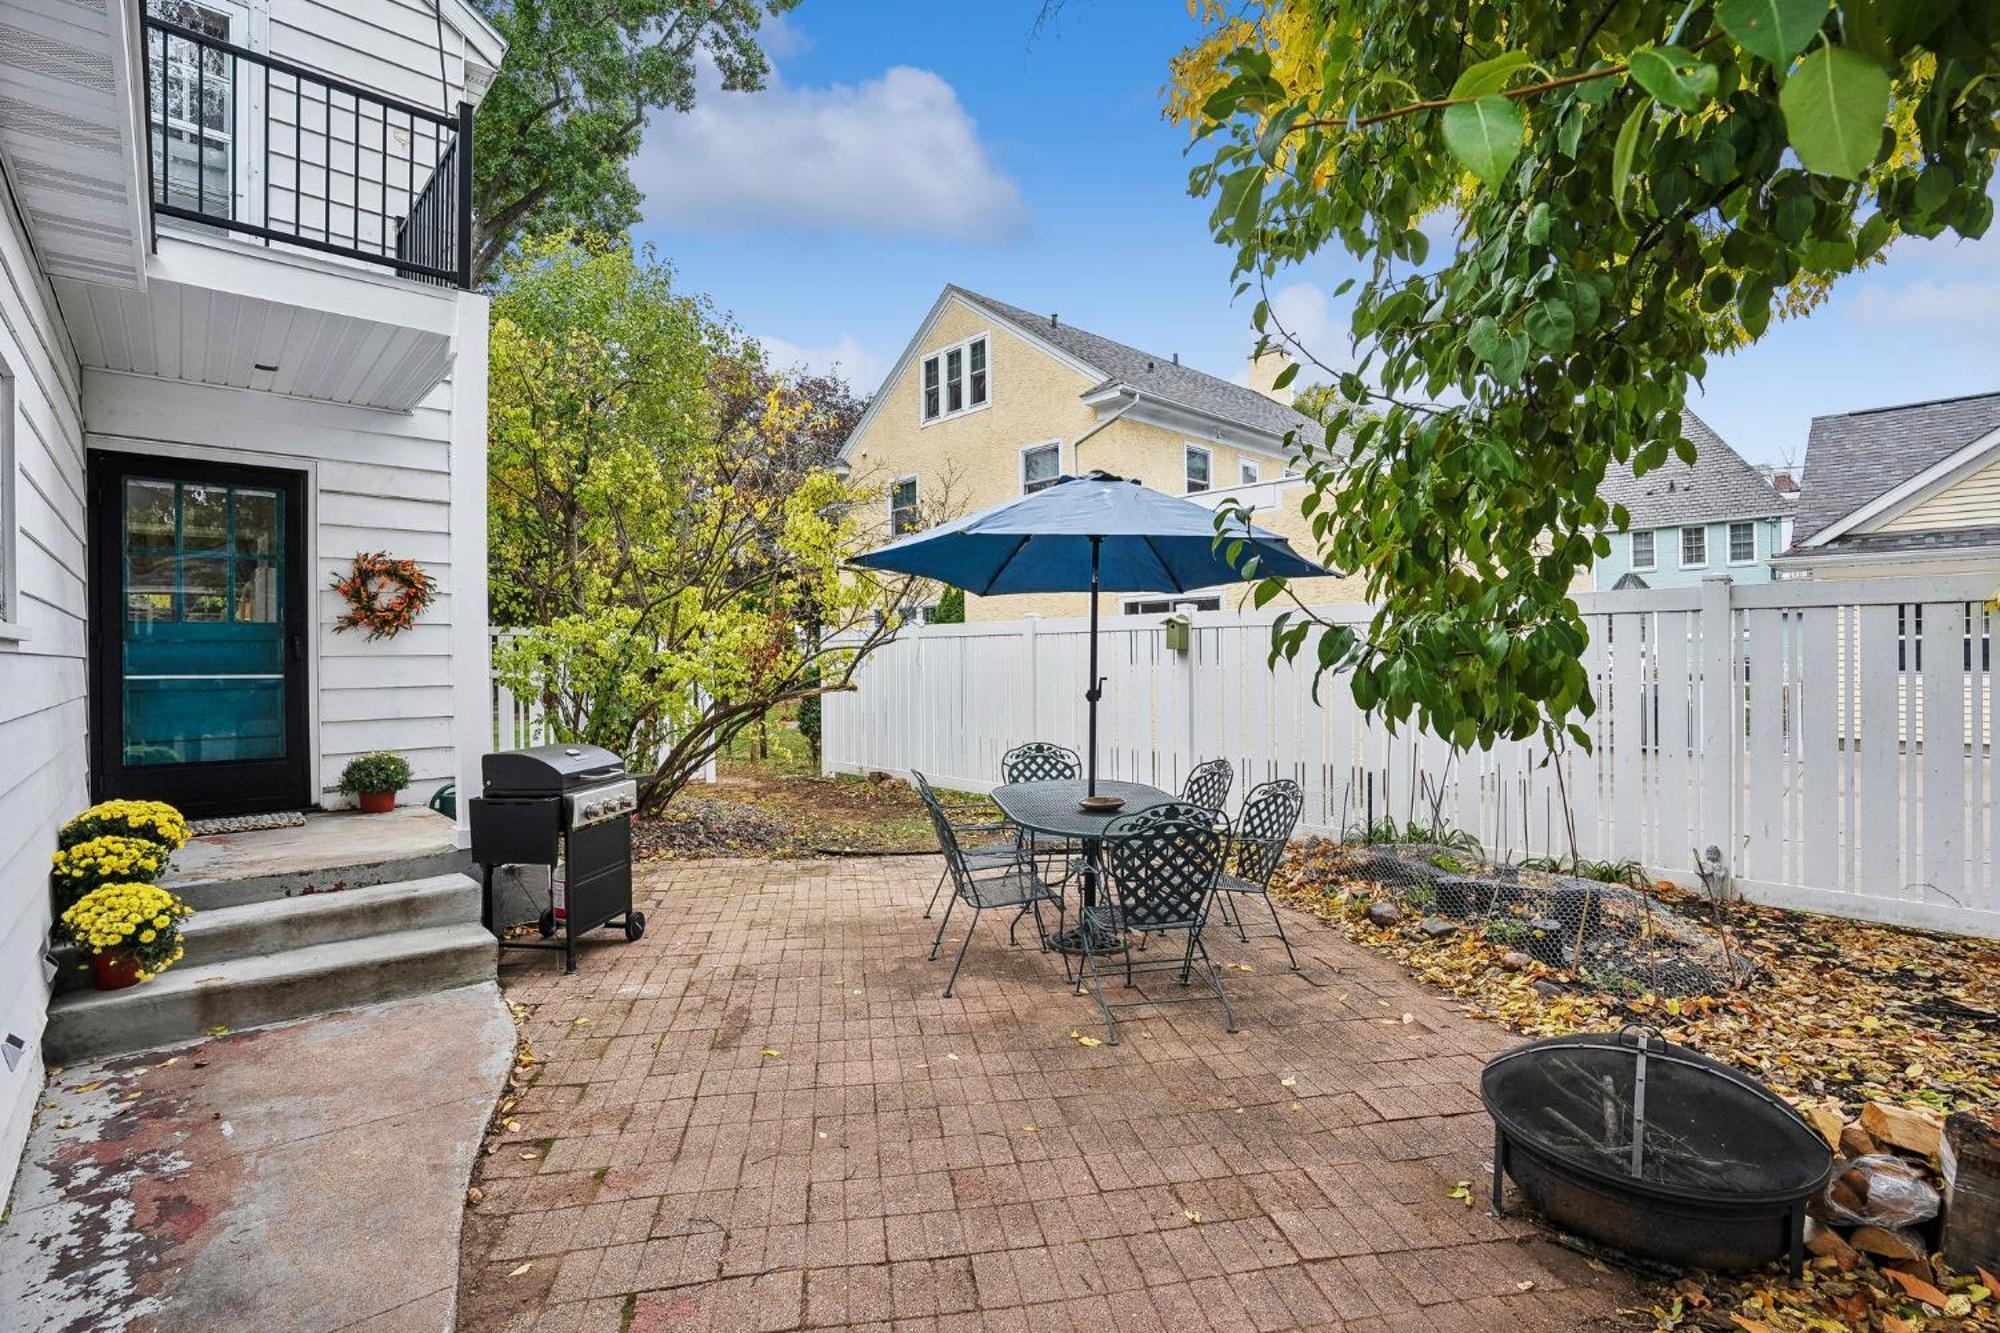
pixel 989 401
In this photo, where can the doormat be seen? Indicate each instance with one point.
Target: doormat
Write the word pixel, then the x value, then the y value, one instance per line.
pixel 246 823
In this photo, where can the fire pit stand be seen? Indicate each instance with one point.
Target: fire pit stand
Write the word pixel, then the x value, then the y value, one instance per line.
pixel 1653 1149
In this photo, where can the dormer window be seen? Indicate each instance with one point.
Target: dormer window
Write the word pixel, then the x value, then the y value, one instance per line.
pixel 956 379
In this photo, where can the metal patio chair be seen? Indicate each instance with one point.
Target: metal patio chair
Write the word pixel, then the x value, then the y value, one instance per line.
pixel 1208 785
pixel 1263 827
pixel 1013 885
pixel 1000 851
pixel 1044 761
pixel 1162 864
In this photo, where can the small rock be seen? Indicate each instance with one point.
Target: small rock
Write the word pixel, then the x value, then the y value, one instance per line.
pixel 1856 1141
pixel 1888 1242
pixel 1437 927
pixel 1913 1129
pixel 1516 961
pixel 1827 1243
pixel 1384 914
pixel 1548 990
pixel 878 777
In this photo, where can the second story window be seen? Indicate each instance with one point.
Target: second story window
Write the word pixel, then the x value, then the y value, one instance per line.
pixel 956 379
pixel 1041 466
pixel 1694 547
pixel 1642 549
pixel 1198 460
pixel 1248 473
pixel 1742 543
pixel 903 506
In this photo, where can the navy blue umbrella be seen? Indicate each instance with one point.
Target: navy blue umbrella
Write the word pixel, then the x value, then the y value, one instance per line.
pixel 1092 534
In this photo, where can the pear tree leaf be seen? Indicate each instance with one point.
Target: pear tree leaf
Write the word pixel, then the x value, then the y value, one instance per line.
pixel 1774 30
pixel 1485 136
pixel 1835 105
pixel 1676 78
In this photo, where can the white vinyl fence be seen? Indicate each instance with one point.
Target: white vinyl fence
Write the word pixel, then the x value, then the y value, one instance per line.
pixel 1834 739
pixel 518 722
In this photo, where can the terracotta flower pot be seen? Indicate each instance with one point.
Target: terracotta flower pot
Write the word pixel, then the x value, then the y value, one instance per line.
pixel 114 971
pixel 377 802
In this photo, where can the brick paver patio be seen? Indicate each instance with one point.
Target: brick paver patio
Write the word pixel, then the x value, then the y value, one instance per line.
pixel 762 1116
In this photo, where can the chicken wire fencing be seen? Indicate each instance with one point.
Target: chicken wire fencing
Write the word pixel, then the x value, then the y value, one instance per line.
pixel 1612 936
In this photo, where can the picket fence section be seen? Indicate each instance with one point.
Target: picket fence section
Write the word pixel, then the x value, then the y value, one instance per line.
pixel 1832 739
pixel 519 723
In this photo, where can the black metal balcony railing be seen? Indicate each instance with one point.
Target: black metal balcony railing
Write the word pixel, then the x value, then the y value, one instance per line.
pixel 257 145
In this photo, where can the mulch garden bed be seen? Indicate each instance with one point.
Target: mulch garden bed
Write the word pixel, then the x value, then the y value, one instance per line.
pixel 1836 1014
pixel 768 815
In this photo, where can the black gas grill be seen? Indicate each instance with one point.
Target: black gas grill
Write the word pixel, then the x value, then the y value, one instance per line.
pixel 567 807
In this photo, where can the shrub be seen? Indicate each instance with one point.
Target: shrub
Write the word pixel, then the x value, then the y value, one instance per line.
pixel 111 859
pixel 140 919
pixel 155 821
pixel 383 770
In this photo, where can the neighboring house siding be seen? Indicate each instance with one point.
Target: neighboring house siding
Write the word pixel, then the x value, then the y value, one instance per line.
pixel 389 45
pixel 1971 503
pixel 1667 571
pixel 973 460
pixel 42 714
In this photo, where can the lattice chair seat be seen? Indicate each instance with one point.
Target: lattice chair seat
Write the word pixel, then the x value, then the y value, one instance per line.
pixel 1263 828
pixel 999 877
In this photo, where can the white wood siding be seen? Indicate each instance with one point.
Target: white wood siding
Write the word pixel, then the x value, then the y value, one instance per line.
pixel 376 481
pixel 42 717
pixel 1970 503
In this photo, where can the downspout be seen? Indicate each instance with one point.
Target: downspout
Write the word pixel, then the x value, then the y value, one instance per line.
pixel 1077 444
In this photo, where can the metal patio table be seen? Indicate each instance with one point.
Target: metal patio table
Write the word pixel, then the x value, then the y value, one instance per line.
pixel 1051 808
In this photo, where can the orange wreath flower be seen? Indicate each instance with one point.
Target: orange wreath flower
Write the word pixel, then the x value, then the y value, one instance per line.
pixel 410 591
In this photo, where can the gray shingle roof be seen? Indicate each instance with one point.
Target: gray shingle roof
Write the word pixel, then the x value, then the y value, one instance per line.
pixel 1156 376
pixel 1857 456
pixel 1719 485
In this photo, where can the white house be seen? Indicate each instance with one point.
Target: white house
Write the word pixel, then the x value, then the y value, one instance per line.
pixel 236 349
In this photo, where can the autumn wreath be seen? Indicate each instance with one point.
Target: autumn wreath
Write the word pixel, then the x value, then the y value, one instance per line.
pixel 409 590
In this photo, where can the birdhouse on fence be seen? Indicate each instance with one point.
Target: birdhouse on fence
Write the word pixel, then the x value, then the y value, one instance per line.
pixel 1179 630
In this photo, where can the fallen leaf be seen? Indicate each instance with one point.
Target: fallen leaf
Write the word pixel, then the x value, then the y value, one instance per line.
pixel 579 1022
pixel 219 1030
pixel 1987 1280
pixel 1083 1039
pixel 1289 1081
pixel 1753 1325
pixel 1191 1215
pixel 88 1087
pixel 1525 1286
pixel 1462 1191
pixel 1029 1129
pixel 512 1126
pixel 474 1195
pixel 529 1156
pixel 1917 1287
pixel 770 1051
pixel 950 1056
pixel 1239 967
pixel 1409 1018
pixel 522 1269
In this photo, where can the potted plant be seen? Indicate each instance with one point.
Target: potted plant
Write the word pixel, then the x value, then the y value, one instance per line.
pixel 112 858
pixel 374 779
pixel 155 821
pixel 131 932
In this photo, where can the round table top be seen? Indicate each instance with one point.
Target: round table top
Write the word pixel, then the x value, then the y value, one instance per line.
pixel 1051 807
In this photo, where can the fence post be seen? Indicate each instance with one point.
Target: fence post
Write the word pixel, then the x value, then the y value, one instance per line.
pixel 1721 721
pixel 1030 627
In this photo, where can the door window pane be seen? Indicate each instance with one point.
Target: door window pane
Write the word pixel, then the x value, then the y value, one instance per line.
pixel 257 522
pixel 204 518
pixel 255 598
pixel 149 513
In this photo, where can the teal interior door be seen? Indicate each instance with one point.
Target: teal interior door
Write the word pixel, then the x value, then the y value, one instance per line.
pixel 198 626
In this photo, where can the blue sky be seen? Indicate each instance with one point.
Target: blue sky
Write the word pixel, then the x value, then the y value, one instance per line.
pixel 904 146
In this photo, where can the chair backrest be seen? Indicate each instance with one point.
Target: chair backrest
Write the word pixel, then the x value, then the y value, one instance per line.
pixel 947 837
pixel 1208 786
pixel 1263 827
pixel 1040 761
pixel 1163 864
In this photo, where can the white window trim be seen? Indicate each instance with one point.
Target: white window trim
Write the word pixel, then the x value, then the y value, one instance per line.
pixel 1027 449
pixel 1151 606
pixel 891 498
pixel 1680 541
pixel 964 349
pixel 1190 447
pixel 1729 544
pixel 10 546
pixel 1632 550
pixel 1253 468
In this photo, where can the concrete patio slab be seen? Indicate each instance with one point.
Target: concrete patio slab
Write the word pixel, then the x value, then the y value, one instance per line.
pixel 308 1177
pixel 763 1116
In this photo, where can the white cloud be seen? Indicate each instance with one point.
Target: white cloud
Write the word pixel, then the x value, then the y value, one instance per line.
pixel 1312 328
pixel 1945 283
pixel 860 367
pixel 893 155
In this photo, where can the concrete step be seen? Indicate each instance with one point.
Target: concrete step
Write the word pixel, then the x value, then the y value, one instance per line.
pixel 223 933
pixel 252 990
pixel 213 894
pixel 330 852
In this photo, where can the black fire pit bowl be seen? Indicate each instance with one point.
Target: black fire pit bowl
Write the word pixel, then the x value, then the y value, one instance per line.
pixel 1654 1150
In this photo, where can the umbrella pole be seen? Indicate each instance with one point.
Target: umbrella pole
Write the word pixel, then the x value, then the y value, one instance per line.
pixel 1096 690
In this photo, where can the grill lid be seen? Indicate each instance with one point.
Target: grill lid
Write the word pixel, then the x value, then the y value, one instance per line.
pixel 548 770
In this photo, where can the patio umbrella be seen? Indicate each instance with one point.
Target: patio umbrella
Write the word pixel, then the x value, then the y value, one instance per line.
pixel 1092 534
